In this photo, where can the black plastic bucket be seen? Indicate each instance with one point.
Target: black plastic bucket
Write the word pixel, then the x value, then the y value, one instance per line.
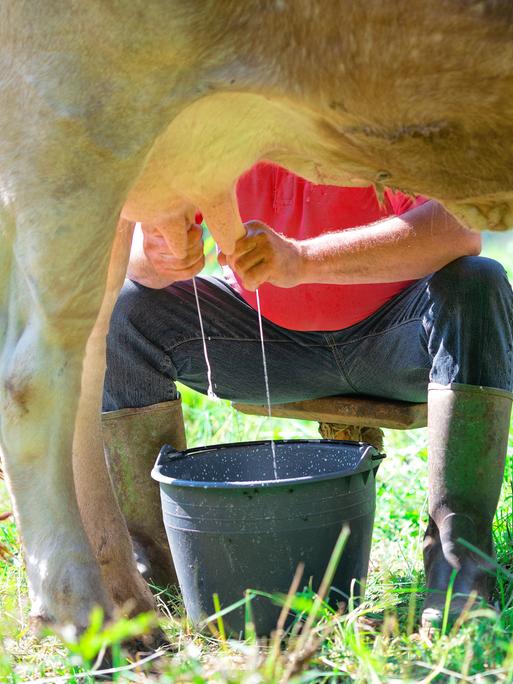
pixel 233 526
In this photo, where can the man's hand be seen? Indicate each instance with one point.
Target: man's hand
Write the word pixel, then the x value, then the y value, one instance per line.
pixel 263 256
pixel 153 264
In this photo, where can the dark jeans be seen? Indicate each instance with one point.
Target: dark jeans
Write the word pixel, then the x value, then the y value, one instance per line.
pixel 452 326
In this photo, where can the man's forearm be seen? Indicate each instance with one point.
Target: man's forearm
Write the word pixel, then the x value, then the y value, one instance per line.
pixel 410 246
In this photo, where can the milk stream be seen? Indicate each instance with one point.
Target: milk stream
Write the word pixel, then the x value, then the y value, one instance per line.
pixel 266 378
pixel 210 391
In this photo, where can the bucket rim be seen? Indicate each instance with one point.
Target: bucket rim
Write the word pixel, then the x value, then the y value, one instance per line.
pixel 370 459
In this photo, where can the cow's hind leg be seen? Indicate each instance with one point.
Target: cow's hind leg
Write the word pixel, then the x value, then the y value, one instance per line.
pixel 103 521
pixel 55 291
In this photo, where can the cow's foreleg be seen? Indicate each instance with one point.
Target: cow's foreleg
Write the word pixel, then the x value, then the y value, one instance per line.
pixel 56 287
pixel 103 521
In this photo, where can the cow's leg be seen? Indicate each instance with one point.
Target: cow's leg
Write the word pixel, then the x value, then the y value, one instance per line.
pixel 55 292
pixel 6 232
pixel 103 521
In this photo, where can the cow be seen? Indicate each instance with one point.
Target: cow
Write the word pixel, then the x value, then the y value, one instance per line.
pixel 148 110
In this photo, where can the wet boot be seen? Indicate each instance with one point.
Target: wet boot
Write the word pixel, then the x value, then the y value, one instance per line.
pixel 468 433
pixel 133 438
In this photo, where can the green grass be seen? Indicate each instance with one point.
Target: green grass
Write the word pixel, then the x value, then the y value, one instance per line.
pixel 378 641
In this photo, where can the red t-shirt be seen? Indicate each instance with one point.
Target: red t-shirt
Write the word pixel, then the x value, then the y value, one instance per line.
pixel 301 210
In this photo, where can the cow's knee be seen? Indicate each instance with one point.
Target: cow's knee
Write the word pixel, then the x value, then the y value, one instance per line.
pixel 40 379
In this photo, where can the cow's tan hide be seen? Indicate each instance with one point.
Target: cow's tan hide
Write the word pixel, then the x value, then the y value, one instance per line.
pixel 157 106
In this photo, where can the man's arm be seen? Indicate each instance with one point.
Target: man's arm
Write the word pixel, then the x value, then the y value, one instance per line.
pixel 406 247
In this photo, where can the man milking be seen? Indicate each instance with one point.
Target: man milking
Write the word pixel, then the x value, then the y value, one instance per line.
pixel 358 297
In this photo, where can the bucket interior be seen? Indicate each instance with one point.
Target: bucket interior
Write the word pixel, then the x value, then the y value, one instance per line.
pixel 254 463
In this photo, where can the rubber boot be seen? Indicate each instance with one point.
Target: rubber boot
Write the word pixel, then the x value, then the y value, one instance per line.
pixel 468 434
pixel 133 438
